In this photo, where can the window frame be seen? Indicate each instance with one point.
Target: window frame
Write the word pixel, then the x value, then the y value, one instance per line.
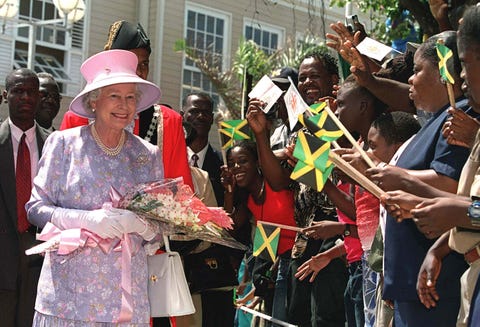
pixel 227 21
pixel 262 26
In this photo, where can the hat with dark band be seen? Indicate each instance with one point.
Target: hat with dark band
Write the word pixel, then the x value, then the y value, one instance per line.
pixel 126 36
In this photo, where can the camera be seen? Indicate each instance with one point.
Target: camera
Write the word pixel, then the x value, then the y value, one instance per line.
pixel 352 23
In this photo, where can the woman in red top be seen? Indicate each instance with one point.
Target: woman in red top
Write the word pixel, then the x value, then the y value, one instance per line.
pixel 264 204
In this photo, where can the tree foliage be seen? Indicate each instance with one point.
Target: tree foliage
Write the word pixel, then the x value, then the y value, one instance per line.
pixel 250 61
pixel 379 10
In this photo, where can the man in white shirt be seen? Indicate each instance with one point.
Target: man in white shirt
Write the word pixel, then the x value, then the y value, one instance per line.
pixel 21 141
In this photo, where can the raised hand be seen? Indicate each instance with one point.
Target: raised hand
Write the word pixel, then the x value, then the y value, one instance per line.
pixel 439 10
pixel 226 178
pixel 256 117
pixel 460 129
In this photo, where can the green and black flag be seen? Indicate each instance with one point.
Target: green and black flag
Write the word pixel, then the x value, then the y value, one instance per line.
pixel 265 243
pixel 313 167
pixel 233 130
pixel 323 127
pixel 445 62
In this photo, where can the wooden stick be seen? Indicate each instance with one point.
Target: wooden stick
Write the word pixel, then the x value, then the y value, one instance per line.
pixel 295 229
pixel 266 317
pixel 350 138
pixel 224 153
pixel 244 86
pixel 451 96
pixel 355 175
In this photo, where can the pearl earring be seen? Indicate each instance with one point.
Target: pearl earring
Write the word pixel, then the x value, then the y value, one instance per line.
pixel 93 110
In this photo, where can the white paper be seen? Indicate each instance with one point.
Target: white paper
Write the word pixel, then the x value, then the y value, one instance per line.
pixel 266 91
pixel 373 49
pixel 295 105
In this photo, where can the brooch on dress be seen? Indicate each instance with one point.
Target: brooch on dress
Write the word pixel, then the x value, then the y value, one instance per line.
pixel 142 159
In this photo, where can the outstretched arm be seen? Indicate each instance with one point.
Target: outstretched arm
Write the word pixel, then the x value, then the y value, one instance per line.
pixel 277 177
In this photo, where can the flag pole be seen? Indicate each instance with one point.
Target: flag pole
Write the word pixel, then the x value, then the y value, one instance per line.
pixel 355 175
pixel 224 153
pixel 350 137
pixel 451 96
pixel 244 82
pixel 292 228
pixel 266 317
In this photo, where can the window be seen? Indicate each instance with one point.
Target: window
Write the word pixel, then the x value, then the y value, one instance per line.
pixel 268 37
pixel 53 42
pixel 205 32
pixel 43 63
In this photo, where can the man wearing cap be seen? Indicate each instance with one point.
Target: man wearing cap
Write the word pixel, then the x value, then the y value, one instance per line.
pixel 21 142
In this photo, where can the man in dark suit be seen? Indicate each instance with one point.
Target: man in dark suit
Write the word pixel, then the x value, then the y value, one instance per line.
pixel 50 99
pixel 21 141
pixel 217 304
pixel 197 109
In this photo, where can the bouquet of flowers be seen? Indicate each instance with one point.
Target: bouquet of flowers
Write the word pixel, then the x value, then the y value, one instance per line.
pixel 172 203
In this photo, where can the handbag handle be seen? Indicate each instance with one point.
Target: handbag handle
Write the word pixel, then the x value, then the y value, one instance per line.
pixel 166 242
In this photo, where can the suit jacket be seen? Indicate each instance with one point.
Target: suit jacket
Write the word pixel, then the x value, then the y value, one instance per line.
pixel 212 163
pixel 9 238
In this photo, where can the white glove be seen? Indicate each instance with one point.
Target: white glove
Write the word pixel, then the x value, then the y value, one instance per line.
pixel 96 221
pixel 131 223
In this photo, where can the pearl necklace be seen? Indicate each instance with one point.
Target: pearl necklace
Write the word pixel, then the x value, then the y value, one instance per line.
pixel 107 150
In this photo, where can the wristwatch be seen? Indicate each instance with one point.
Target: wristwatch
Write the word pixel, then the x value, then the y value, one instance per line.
pixel 474 213
pixel 346 231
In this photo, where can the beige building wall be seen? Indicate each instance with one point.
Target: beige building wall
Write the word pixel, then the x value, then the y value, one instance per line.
pixel 164 21
pixel 168 71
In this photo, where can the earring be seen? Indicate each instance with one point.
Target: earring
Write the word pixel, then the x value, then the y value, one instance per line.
pixel 259 170
pixel 93 110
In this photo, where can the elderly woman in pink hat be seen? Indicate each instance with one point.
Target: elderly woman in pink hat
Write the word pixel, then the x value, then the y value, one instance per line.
pixel 78 167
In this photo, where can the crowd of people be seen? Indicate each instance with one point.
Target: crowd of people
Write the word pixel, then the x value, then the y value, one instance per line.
pixel 409 257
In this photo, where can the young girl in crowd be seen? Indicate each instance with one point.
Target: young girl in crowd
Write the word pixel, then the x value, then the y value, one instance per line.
pixel 243 172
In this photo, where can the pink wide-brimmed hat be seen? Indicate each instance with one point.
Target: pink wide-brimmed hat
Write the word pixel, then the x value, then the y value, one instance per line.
pixel 113 67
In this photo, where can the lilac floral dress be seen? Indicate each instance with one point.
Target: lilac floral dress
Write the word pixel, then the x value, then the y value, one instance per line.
pixel 84 288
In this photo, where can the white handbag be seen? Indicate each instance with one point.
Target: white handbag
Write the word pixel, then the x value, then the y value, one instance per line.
pixel 168 291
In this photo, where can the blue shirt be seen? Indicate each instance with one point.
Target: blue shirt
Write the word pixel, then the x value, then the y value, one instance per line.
pixel 405 245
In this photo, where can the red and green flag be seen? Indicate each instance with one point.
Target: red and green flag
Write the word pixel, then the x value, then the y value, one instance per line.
pixel 445 62
pixel 233 130
pixel 265 243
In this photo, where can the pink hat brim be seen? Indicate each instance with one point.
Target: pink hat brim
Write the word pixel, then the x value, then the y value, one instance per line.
pixel 150 93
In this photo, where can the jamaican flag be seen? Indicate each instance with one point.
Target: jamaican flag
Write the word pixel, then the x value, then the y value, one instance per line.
pixel 265 243
pixel 314 109
pixel 233 130
pixel 313 167
pixel 317 107
pixel 445 62
pixel 323 127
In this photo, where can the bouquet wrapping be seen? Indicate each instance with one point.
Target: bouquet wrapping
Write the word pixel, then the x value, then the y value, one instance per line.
pixel 179 212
